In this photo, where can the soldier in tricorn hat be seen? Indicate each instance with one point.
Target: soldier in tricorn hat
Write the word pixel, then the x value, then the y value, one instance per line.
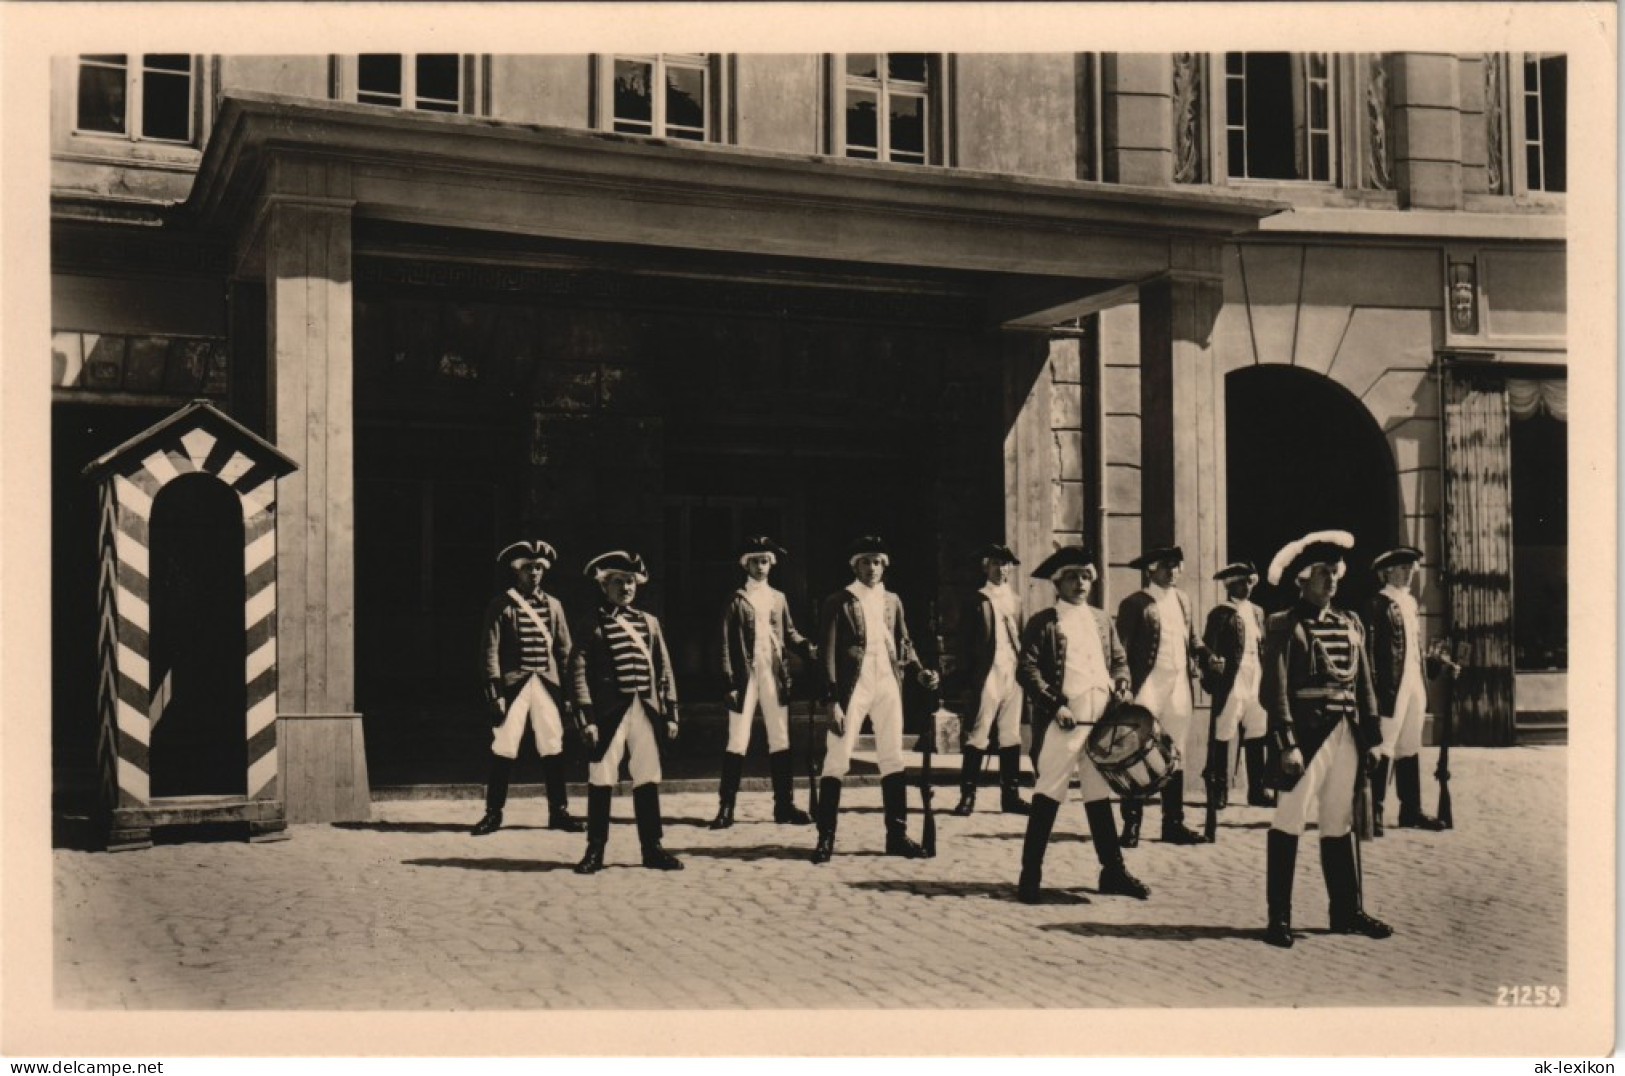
pixel 1234 631
pixel 992 644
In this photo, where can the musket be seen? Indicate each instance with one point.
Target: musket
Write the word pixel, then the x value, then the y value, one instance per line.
pixel 814 764
pixel 1446 727
pixel 1213 773
pixel 928 835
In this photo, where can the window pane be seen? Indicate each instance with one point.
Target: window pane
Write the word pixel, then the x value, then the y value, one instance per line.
pixel 1531 117
pixel 439 82
pixel 685 102
pixel 1236 145
pixel 1317 65
pixel 634 103
pixel 1234 63
pixel 1271 140
pixel 1532 162
pixel 862 124
pixel 1319 150
pixel 907 128
pixel 1317 107
pixel 1235 98
pixel 1554 88
pixel 862 64
pixel 378 78
pixel 906 66
pixel 166 107
pixel 167 62
pixel 101 98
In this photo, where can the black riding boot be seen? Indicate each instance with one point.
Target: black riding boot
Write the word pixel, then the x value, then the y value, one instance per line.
pixel 1217 774
pixel 829 813
pixel 597 828
pixel 1282 861
pixel 496 796
pixel 1040 821
pixel 1342 870
pixel 1133 810
pixel 894 797
pixel 1379 793
pixel 732 766
pixel 785 811
pixel 1257 794
pixel 1408 785
pixel 1174 830
pixel 646 808
pixel 558 796
pixel 970 771
pixel 1114 876
pixel 1010 801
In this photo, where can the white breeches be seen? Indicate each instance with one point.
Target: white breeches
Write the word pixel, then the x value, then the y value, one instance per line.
pixel 878 697
pixel 1062 756
pixel 760 691
pixel 1167 694
pixel 1000 704
pixel 634 740
pixel 1402 732
pixel 535 705
pixel 1241 707
pixel 1329 778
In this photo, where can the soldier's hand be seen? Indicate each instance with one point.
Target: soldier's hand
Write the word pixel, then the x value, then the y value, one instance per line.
pixel 1124 692
pixel 1064 719
pixel 837 719
pixel 671 728
pixel 589 735
pixel 1216 664
pixel 1292 763
pixel 499 713
pixel 929 679
pixel 736 702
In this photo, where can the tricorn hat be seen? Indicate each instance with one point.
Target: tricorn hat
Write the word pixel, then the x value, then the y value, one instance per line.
pixel 617 560
pixel 1168 553
pixel 1236 570
pixel 868 545
pixel 997 554
pixel 536 550
pixel 760 544
pixel 1319 547
pixel 1401 554
pixel 1071 556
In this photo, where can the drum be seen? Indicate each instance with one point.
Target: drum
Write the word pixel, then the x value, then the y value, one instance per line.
pixel 1131 751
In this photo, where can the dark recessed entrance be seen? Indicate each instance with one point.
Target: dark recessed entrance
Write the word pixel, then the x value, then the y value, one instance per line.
pixel 1303 454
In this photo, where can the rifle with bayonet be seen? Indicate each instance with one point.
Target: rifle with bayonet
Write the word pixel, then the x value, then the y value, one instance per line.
pixel 1447 721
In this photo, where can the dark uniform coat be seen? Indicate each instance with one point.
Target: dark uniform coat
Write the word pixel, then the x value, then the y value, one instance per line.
pixel 845 640
pixel 1041 667
pixel 1139 625
pixel 980 640
pixel 1385 645
pixel 1226 636
pixel 739 643
pixel 592 671
pixel 499 648
pixel 1304 695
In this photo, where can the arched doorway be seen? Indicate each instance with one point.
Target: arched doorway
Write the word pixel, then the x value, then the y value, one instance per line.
pixel 199 711
pixel 1303 454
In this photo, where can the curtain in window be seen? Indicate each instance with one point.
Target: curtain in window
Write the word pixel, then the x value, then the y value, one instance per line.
pixel 1478 552
pixel 1527 398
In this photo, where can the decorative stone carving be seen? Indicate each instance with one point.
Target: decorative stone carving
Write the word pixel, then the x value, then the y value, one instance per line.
pixel 1379 151
pixel 1494 146
pixel 1462 297
pixel 1188 118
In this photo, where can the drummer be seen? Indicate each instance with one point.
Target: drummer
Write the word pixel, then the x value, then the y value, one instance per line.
pixel 1071 665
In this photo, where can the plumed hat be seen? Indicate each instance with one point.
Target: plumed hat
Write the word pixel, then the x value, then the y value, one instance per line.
pixel 868 545
pixel 1168 553
pixel 617 560
pixel 1071 556
pixel 1401 554
pixel 996 554
pixel 1240 569
pixel 1320 547
pixel 759 545
pixel 537 550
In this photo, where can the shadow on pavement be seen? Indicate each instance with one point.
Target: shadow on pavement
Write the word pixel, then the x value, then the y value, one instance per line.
pixel 1156 931
pixel 1020 834
pixel 988 890
pixel 415 827
pixel 528 866
pixel 761 851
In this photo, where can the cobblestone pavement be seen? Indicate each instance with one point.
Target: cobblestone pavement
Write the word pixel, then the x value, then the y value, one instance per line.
pixel 407 911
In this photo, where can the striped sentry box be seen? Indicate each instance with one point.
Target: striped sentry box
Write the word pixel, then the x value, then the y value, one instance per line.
pixel 198 439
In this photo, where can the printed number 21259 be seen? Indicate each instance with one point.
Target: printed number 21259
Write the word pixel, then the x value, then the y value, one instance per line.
pixel 1529 995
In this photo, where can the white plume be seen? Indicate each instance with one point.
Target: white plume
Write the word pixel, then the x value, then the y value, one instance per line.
pixel 1290 551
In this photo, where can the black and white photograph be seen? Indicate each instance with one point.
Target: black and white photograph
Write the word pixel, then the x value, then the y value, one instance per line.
pixel 540 515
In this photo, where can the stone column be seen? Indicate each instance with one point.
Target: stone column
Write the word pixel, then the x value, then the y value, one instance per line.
pixel 308 308
pixel 1427 130
pixel 1137 124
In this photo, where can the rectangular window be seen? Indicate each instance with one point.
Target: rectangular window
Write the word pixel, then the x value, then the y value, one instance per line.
pixel 1545 142
pixel 429 82
pixel 666 95
pixel 885 108
pixel 147 97
pixel 1280 116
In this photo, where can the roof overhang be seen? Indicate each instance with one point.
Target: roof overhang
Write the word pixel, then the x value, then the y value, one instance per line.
pixel 477 174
